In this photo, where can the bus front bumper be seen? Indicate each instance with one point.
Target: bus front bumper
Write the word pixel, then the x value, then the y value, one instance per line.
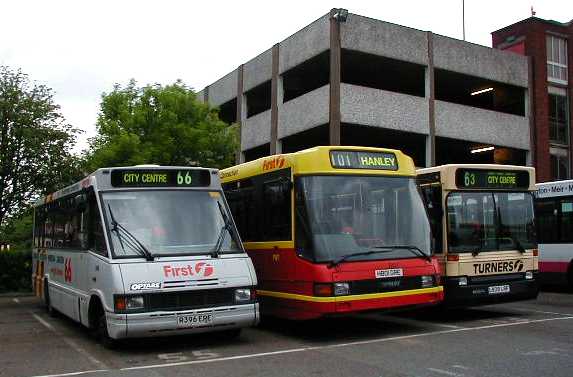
pixel 489 293
pixel 166 323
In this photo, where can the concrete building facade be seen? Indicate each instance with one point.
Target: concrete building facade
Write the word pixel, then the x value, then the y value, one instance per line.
pixel 346 79
pixel 547 44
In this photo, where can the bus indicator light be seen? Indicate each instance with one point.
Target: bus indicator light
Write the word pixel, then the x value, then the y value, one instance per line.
pixel 322 289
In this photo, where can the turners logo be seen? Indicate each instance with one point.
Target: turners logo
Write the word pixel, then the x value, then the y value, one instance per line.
pixel 499 266
pixel 200 269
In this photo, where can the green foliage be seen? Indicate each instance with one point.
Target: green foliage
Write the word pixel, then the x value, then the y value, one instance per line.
pixel 16 271
pixel 35 144
pixel 163 125
pixel 18 232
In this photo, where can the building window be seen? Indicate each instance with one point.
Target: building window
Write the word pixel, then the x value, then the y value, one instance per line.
pixel 556 59
pixel 559 167
pixel 558 119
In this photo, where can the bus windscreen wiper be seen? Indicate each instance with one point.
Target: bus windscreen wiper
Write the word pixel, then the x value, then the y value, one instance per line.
pixel 414 249
pixel 130 240
pixel 345 257
pixel 224 229
pixel 477 251
pixel 518 244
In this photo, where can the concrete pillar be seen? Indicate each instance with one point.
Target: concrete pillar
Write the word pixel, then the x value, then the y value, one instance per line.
pixel 274 99
pixel 241 112
pixel 279 149
pixel 430 95
pixel 334 106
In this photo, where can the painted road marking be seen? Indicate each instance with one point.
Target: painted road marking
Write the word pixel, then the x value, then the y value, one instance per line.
pixel 75 373
pixel 542 311
pixel 326 347
pixel 409 321
pixel 71 343
pixel 447 373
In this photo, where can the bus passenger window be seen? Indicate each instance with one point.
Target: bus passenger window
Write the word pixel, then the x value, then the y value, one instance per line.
pixel 96 238
pixel 566 220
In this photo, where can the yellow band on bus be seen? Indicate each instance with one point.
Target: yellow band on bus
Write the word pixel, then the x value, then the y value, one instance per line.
pixel 367 296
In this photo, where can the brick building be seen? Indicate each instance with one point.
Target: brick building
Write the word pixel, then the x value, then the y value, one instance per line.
pixel 548 46
pixel 347 79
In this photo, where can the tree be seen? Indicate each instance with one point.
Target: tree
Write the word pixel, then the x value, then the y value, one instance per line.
pixel 35 144
pixel 157 124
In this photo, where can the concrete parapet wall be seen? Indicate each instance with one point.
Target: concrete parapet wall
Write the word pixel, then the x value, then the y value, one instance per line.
pixel 304 44
pixel 468 58
pixel 224 89
pixel 385 39
pixel 256 130
pixel 380 108
pixel 304 112
pixel 257 70
pixel 482 126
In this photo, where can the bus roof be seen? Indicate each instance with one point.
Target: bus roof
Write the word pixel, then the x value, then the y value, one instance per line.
pixel 101 179
pixel 448 175
pixel 317 160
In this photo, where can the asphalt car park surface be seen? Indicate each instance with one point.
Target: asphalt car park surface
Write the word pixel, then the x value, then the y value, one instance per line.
pixel 529 338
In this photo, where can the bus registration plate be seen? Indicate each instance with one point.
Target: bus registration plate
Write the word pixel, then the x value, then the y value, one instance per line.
pixel 497 289
pixel 390 273
pixel 193 320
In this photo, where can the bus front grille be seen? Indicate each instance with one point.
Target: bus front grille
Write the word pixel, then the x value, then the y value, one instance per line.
pixel 186 300
pixel 385 285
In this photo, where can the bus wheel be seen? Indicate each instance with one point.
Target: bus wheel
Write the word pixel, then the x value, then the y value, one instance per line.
pixel 103 335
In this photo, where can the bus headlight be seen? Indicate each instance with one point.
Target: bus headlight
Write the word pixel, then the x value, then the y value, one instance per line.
pixel 463 280
pixel 529 275
pixel 243 295
pixel 127 303
pixel 427 281
pixel 341 289
pixel 134 302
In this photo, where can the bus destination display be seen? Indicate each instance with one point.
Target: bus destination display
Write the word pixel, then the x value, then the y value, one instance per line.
pixel 363 160
pixel 492 179
pixel 159 178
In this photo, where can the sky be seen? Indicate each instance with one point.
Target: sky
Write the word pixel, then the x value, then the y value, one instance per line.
pixel 80 49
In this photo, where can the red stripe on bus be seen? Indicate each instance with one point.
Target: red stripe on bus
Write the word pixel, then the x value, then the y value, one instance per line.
pixel 553 266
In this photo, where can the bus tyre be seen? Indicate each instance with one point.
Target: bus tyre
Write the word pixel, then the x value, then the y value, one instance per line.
pixel 103 335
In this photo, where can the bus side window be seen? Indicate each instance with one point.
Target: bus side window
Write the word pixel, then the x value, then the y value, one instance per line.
pixel 96 238
pixel 546 216
pixel 277 208
pixel 432 195
pixel 566 226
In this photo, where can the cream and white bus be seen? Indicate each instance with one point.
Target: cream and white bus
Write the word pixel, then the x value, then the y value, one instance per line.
pixel 482 220
pixel 143 251
pixel 554 213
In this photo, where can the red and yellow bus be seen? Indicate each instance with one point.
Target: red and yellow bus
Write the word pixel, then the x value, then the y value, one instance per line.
pixel 334 230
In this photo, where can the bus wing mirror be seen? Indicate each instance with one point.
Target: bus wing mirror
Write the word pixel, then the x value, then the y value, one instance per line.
pixel 81 202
